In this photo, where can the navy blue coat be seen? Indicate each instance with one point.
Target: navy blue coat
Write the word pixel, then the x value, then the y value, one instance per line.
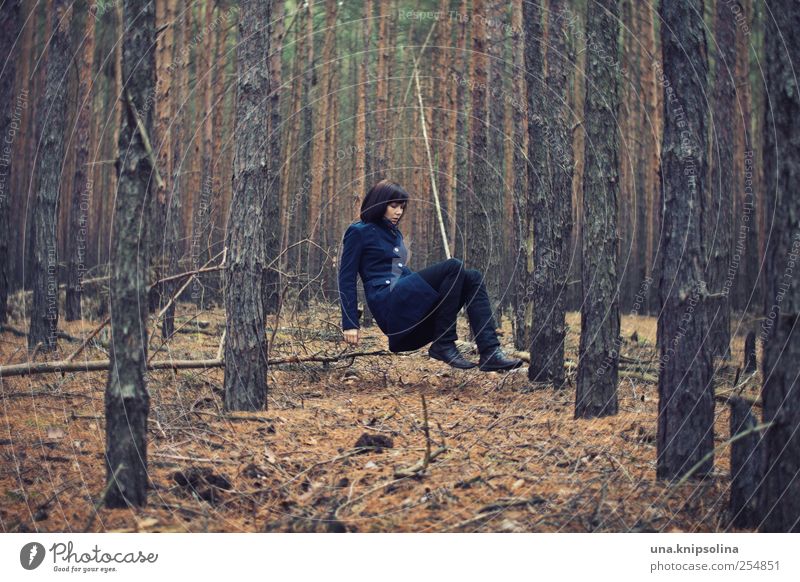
pixel 398 298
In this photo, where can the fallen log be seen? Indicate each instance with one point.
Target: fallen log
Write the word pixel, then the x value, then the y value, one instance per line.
pixel 64 366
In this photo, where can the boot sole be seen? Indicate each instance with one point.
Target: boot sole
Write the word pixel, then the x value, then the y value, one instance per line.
pixel 500 368
pixel 451 364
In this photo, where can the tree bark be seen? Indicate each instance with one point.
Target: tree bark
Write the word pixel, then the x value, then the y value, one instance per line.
pixel 307 201
pixel 274 285
pixel 718 219
pixel 10 28
pixel 781 362
pixel 127 401
pixel 686 404
pixel 485 199
pixel 44 312
pixel 173 231
pixel 520 225
pixel 245 337
pixel 747 465
pixel 82 185
pixel 552 211
pixel 598 365
pixel 538 179
pixel 382 93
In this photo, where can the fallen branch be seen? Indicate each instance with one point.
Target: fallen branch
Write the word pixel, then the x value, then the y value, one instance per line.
pixel 86 341
pixel 63 366
pixel 420 466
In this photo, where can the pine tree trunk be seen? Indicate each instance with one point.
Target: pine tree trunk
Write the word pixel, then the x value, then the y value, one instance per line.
pixel 463 186
pixel 382 92
pixel 173 230
pixel 245 336
pixel 44 312
pixel 481 250
pixel 23 106
pixel 781 367
pixel 686 402
pixel 157 203
pixel 127 401
pixel 519 227
pixel 82 186
pixel 598 365
pixel 208 194
pixel 552 212
pixel 718 219
pixel 749 203
pixel 651 132
pixel 307 203
pixel 362 106
pixel 273 290
pixel 34 150
pixel 537 203
pixel 10 29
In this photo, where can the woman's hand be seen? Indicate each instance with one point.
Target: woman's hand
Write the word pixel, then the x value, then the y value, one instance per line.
pixel 351 336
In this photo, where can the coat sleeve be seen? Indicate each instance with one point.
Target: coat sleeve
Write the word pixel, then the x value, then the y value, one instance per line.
pixel 348 277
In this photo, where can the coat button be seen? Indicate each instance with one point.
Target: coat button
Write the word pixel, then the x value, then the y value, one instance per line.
pixel 397 250
pixel 399 264
pixel 388 282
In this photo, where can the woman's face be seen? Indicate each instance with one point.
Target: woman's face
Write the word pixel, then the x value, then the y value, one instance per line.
pixel 394 210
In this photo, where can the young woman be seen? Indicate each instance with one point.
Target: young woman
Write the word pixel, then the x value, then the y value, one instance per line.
pixel 412 308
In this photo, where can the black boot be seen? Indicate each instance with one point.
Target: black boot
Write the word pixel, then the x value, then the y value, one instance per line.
pixel 448 354
pixel 496 360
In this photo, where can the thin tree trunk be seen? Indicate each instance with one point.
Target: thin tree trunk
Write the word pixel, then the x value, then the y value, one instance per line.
pixel 307 201
pixel 685 434
pixel 274 211
pixel 538 187
pixel 173 231
pixel 362 106
pixel 44 312
pixel 10 29
pixel 157 204
pixel 781 367
pixel 520 232
pixel 485 201
pixel 245 337
pixel 598 365
pixel 718 219
pixel 82 185
pixel 461 229
pixel 382 92
pixel 127 401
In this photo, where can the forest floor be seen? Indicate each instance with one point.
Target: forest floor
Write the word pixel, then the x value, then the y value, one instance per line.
pixel 514 458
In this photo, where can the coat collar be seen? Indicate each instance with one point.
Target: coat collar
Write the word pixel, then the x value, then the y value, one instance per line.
pixel 388 224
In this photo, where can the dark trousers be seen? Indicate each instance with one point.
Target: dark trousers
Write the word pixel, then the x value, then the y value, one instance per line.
pixel 457 287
